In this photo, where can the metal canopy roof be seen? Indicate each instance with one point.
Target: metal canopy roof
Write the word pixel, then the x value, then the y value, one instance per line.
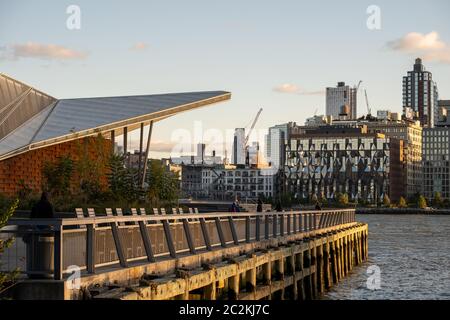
pixel 53 121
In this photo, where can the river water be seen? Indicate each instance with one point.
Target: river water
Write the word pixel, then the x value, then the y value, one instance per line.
pixel 412 253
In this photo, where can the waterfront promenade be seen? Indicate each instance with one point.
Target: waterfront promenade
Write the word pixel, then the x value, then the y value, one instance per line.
pixel 272 255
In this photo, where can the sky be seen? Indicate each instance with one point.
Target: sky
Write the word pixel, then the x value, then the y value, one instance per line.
pixel 275 55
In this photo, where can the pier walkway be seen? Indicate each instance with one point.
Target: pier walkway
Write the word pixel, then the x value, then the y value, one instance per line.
pixel 239 255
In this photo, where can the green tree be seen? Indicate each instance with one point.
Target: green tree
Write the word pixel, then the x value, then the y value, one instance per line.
pixel 386 200
pixel 90 170
pixel 57 176
pixel 437 200
pixel 402 203
pixel 7 279
pixel 162 185
pixel 421 202
pixel 342 199
pixel 123 181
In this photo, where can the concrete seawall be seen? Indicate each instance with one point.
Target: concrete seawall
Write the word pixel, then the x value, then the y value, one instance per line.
pixel 299 267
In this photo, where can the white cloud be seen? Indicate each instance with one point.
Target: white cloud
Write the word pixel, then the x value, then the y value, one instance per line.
pixel 139 46
pixel 292 88
pixel 429 46
pixel 287 88
pixel 414 41
pixel 43 51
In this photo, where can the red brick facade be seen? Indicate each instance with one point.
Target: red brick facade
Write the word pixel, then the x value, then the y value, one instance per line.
pixel 28 166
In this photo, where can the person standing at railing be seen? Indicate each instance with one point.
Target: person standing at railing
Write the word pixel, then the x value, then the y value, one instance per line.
pixel 278 207
pixel 318 207
pixel 259 207
pixel 43 208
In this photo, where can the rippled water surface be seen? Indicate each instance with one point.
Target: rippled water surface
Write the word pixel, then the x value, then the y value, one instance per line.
pixel 413 254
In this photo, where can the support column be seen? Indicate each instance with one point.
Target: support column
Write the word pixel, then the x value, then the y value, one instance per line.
pixel 334 266
pixel 320 269
pixel 233 287
pixel 328 280
pixel 209 292
pixel 299 267
pixel 141 142
pixel 307 281
pixel 149 138
pixel 314 263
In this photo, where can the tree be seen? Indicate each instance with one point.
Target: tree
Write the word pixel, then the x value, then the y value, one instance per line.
pixel 386 200
pixel 402 203
pixel 7 278
pixel 57 176
pixel 342 199
pixel 89 171
pixel 163 185
pixel 421 202
pixel 123 181
pixel 437 200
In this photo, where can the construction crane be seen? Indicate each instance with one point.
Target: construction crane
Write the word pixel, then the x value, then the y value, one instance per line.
pixel 357 87
pixel 251 128
pixel 367 104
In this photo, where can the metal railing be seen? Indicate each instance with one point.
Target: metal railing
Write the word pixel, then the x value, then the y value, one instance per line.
pixel 95 241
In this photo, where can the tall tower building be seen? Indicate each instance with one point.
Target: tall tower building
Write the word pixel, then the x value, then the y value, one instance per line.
pixel 341 101
pixel 238 152
pixel 420 95
pixel 276 140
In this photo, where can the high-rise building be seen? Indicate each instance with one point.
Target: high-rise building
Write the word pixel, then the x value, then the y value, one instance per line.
pixel 238 152
pixel 253 154
pixel 436 162
pixel 420 94
pixel 201 151
pixel 341 102
pixel 411 134
pixel 276 140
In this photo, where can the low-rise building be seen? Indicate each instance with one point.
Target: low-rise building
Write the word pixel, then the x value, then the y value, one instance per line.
pixel 226 182
pixel 331 159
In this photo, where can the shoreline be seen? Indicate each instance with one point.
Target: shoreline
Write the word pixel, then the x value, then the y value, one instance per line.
pixel 402 211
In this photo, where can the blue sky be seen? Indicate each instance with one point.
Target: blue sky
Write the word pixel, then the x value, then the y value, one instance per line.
pixel 246 47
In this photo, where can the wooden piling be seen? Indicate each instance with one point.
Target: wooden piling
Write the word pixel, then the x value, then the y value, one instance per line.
pixel 307 280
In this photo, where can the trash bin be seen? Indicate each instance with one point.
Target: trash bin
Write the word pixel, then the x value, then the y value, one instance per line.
pixel 40 261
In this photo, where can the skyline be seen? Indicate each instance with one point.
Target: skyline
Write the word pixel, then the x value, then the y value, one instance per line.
pixel 285 64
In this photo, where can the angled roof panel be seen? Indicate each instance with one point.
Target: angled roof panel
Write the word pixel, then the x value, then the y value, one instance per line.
pixel 31 119
pixel 23 135
pixel 73 115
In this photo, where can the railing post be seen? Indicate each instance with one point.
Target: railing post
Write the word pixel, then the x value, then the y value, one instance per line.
pixel 310 224
pixel 233 230
pixel 247 229
pixel 294 220
pixel 187 231
pixel 274 225
pixel 220 232
pixel 147 242
pixel 58 256
pixel 282 215
pixel 169 240
pixel 266 226
pixel 288 224
pixel 90 245
pixel 300 222
pixel 205 233
pixel 118 243
pixel 257 228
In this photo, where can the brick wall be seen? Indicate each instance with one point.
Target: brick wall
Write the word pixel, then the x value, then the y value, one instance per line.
pixel 28 166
